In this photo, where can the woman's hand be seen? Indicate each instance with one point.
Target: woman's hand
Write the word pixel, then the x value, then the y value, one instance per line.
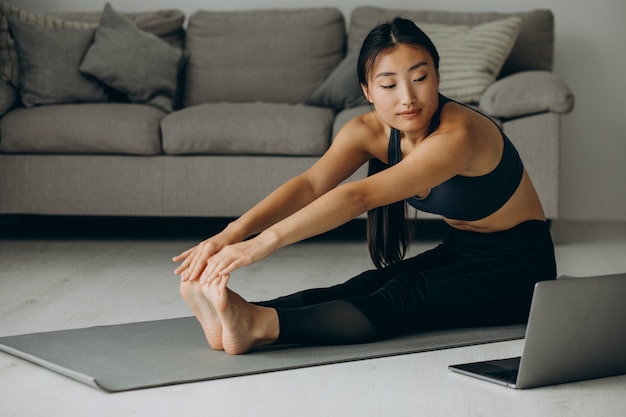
pixel 232 257
pixel 194 260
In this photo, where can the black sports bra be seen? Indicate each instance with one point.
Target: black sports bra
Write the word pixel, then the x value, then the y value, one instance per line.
pixel 462 197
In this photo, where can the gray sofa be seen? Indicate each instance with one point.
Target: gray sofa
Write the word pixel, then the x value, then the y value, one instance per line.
pixel 258 99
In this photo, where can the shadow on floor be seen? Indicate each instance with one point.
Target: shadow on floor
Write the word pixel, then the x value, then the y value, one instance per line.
pixel 77 227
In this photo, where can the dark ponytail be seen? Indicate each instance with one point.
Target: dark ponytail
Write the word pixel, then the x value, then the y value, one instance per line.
pixel 388 234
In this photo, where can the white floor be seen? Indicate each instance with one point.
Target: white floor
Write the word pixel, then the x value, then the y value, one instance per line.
pixel 49 281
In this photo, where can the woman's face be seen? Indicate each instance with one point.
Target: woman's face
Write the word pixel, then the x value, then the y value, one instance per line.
pixel 403 87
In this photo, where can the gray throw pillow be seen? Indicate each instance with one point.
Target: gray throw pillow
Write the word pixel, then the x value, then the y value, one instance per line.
pixel 471 59
pixel 9 65
pixel 132 61
pixel 341 90
pixel 49 61
pixel 8 97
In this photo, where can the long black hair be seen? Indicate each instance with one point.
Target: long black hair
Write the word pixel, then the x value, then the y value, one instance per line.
pixel 387 229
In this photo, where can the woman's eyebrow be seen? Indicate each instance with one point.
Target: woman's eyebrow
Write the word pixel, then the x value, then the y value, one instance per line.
pixel 389 74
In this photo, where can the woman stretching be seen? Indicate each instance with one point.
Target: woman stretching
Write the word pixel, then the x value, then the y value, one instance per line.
pixel 423 148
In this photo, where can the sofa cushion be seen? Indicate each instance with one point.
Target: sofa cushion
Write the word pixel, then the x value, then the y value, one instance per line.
pixel 278 56
pixel 9 96
pixel 137 63
pixel 247 129
pixel 9 64
pixel 533 48
pixel 99 128
pixel 341 90
pixel 49 61
pixel 167 24
pixel 471 56
pixel 526 93
pixel 471 59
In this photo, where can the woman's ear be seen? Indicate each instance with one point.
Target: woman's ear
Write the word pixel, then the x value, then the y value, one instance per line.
pixel 366 93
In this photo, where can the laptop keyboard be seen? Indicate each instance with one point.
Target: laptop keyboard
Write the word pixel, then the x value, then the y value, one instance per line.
pixel 509 375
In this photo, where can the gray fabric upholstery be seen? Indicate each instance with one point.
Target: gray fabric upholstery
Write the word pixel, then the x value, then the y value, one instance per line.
pixel 222 185
pixel 341 89
pixel 278 56
pixel 247 129
pixel 166 24
pixel 106 159
pixel 49 61
pixel 9 65
pixel 103 128
pixel 471 58
pixel 137 63
pixel 527 92
pixel 126 185
pixel 9 96
pixel 81 185
pixel 533 49
pixel 536 137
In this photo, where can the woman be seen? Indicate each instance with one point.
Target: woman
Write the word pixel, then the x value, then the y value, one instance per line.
pixel 423 148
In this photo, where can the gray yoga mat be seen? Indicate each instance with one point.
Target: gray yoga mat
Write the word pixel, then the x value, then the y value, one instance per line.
pixel 173 351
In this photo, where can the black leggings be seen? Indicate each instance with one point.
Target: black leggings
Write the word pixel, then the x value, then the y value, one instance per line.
pixel 470 279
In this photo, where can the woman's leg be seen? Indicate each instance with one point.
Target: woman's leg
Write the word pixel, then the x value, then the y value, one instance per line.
pixel 472 279
pixel 477 293
pixel 485 287
pixel 346 313
pixel 364 283
pixel 340 320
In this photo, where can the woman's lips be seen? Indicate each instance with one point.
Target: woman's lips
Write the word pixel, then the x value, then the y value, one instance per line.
pixel 410 113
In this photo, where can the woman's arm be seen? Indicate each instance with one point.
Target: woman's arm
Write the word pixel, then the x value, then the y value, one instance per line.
pixel 431 163
pixel 285 200
pixel 341 160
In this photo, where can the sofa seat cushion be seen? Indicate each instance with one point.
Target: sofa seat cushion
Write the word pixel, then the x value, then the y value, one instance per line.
pixel 247 129
pixel 97 128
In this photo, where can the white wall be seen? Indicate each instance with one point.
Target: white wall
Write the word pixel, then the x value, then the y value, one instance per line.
pixel 590 57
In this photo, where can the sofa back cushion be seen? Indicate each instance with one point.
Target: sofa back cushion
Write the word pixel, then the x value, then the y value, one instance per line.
pixel 166 24
pixel 533 48
pixel 279 55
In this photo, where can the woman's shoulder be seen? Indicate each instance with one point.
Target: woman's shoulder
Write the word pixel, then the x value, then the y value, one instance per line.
pixel 365 125
pixel 461 117
pixel 365 132
pixel 472 133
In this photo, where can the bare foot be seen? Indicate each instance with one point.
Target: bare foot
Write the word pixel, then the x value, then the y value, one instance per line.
pixel 192 293
pixel 244 325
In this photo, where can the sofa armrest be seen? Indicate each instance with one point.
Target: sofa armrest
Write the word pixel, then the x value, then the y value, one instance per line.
pixel 8 97
pixel 527 92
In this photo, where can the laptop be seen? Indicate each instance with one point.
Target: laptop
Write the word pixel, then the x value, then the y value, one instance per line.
pixel 576 331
